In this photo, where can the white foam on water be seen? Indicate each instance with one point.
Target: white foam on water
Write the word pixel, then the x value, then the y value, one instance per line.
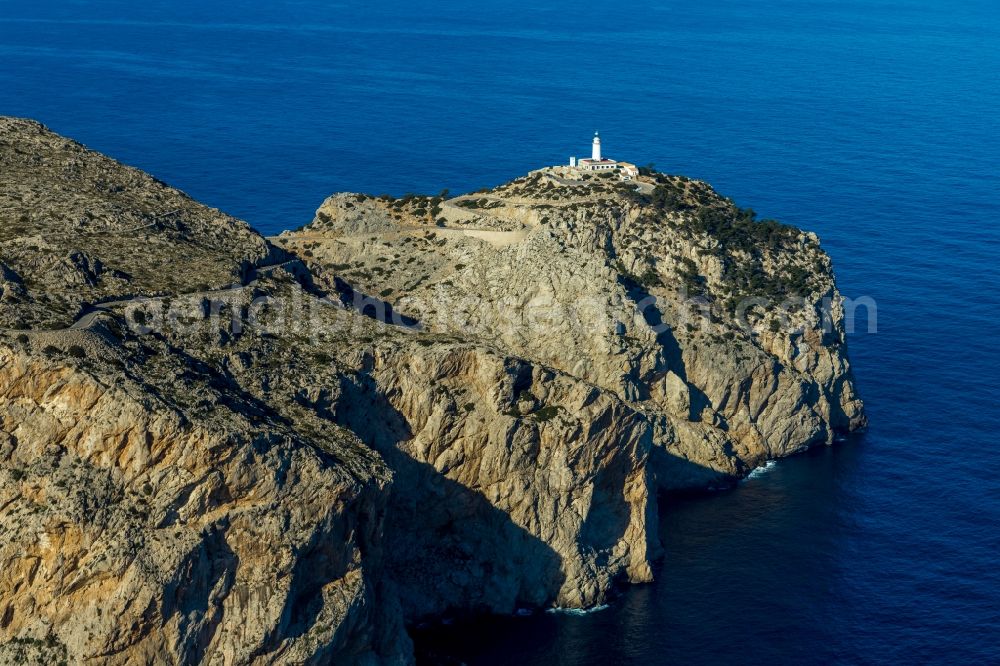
pixel 578 611
pixel 760 471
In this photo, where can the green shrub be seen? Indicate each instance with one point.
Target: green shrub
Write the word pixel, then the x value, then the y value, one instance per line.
pixel 526 395
pixel 649 278
pixel 546 413
pixel 669 196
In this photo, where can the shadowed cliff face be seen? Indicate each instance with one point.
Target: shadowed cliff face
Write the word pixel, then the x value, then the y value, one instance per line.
pixel 211 450
pixel 499 501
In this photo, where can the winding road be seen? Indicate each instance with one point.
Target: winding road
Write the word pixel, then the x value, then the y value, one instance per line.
pixel 90 316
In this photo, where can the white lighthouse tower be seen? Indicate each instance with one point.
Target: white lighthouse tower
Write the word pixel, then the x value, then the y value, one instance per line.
pixel 597 162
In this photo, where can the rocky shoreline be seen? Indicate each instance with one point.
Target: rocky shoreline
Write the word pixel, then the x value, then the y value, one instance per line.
pixel 285 450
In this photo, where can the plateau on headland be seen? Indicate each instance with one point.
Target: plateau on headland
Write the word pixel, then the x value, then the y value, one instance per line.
pixel 221 448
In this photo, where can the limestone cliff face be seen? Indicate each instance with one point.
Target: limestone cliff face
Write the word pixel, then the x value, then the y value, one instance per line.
pixel 724 331
pixel 152 510
pixel 133 533
pixel 230 451
pixel 515 484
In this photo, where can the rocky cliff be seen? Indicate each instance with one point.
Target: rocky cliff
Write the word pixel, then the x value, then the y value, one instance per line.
pixel 220 449
pixel 724 332
pixel 152 510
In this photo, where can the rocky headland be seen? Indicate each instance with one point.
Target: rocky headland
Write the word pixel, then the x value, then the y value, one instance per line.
pixel 221 448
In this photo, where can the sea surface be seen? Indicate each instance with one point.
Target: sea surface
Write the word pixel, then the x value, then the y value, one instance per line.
pixel 873 123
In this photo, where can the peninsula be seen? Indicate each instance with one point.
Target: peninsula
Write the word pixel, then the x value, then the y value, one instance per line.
pixel 220 447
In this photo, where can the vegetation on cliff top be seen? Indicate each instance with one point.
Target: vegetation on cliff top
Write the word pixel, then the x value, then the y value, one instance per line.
pixel 760 258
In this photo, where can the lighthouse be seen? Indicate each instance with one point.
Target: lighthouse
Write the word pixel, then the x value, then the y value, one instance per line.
pixel 624 170
pixel 597 162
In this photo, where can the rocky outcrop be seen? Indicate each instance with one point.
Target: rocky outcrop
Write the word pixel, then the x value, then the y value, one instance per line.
pixel 79 227
pixel 135 533
pixel 214 449
pixel 515 484
pixel 724 331
pixel 152 510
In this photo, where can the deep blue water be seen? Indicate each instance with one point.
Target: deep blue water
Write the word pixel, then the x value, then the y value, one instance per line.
pixel 872 123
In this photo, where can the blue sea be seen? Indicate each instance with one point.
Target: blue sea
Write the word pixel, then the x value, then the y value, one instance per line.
pixel 873 123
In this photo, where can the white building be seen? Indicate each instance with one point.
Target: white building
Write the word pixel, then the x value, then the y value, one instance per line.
pixel 596 162
pixel 628 170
